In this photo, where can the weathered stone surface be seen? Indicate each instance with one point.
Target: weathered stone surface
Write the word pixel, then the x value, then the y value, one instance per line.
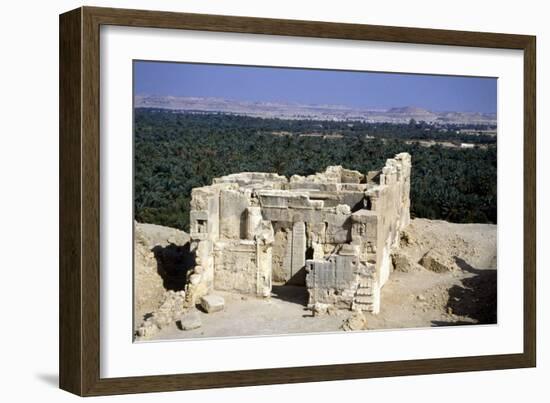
pixel 343 209
pixel 252 228
pixel 298 248
pixel 212 303
pixel 195 278
pixel 281 254
pixel 333 311
pixel 402 262
pixel 236 266
pixel 253 220
pixel 264 258
pixel 156 248
pixel 233 214
pixel 437 262
pixel 191 320
pixel 357 321
pixel 165 314
pixel 319 309
pixel 147 329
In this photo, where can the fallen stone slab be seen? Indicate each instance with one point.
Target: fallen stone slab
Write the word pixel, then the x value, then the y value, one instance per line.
pixel 191 320
pixel 437 262
pixel 212 303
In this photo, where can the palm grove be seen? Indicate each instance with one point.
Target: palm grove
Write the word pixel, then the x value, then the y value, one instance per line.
pixel 175 152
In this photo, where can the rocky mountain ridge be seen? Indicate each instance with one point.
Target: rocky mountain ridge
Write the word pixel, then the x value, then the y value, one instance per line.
pixel 288 110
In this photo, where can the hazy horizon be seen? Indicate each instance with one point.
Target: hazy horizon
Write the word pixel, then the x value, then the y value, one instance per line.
pixel 353 89
pixel 282 101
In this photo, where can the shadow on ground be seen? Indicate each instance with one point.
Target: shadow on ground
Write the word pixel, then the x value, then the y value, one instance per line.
pixel 475 298
pixel 49 379
pixel 290 293
pixel 173 263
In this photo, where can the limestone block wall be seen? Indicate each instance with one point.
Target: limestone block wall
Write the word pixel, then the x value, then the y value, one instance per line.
pixel 390 201
pixel 236 266
pixel 282 251
pixel 332 232
pixel 204 230
pixel 335 280
pixel 244 266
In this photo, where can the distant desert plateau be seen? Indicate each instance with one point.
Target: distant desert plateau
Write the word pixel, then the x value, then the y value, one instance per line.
pixel 287 110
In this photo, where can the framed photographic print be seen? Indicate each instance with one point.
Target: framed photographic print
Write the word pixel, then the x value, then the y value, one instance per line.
pixel 249 201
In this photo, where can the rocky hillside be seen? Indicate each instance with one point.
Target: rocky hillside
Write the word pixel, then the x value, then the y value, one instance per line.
pixel 159 266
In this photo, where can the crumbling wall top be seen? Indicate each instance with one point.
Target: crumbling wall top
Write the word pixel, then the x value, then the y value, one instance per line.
pixel 249 178
pixel 333 174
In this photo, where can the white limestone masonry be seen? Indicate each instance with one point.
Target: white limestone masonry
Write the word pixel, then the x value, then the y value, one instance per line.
pixel 331 232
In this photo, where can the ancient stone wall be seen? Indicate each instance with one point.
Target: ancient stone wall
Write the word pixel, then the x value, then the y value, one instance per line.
pixel 331 232
pixel 236 266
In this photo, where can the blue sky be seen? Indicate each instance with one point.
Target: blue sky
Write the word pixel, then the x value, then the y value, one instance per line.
pixel 356 89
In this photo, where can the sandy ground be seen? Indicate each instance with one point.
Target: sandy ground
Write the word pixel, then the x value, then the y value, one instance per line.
pixel 283 313
pixel 464 295
pixel 416 297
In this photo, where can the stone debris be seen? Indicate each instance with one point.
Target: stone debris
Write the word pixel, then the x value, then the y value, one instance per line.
pixel 407 238
pixel 437 262
pixel 319 309
pixel 170 309
pixel 403 263
pixel 159 254
pixel 167 313
pixel 212 303
pixel 441 237
pixel 148 284
pixel 357 321
pixel 147 329
pixel 343 209
pixel 333 311
pixel 191 320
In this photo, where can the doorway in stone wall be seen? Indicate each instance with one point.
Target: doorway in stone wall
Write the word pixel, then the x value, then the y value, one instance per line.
pixel 289 257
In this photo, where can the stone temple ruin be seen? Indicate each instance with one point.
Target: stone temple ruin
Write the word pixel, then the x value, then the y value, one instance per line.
pixel 331 232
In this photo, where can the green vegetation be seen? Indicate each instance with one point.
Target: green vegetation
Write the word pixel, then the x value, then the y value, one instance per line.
pixel 175 152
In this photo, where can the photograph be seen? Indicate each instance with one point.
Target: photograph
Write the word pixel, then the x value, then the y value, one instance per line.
pixel 277 201
pixel 251 199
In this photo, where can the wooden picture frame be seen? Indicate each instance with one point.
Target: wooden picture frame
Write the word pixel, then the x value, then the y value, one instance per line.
pixel 79 346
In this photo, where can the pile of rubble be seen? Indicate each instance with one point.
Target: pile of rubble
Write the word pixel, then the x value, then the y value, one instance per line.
pixel 175 309
pixel 148 284
pixel 170 310
pixel 430 248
